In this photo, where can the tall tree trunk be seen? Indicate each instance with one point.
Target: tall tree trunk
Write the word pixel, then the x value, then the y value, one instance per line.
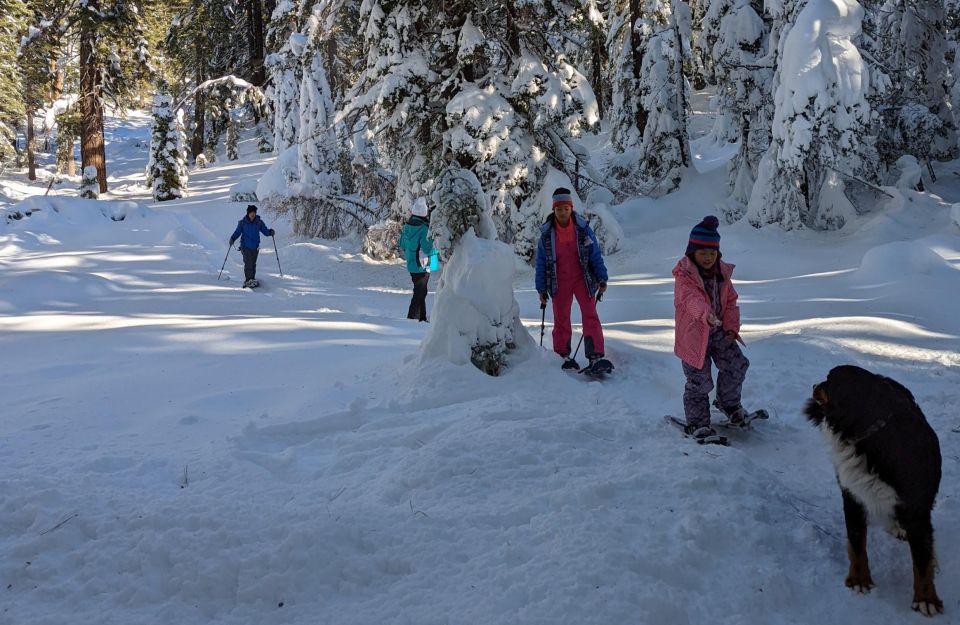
pixel 199 112
pixel 256 37
pixel 599 50
pixel 636 47
pixel 91 107
pixel 31 161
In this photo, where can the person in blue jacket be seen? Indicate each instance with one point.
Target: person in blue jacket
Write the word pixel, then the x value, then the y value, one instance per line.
pixel 413 242
pixel 570 265
pixel 248 231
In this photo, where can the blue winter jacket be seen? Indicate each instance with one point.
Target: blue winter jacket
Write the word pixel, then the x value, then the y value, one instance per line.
pixel 249 233
pixel 588 249
pixel 413 241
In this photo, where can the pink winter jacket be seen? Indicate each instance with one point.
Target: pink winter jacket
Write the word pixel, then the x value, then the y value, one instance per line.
pixel 692 306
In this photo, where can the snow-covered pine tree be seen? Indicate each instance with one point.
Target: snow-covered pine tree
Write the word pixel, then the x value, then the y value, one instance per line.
pixel 557 105
pixel 13 19
pixel 820 128
pixel 911 41
pixel 315 197
pixel 232 136
pixel 475 317
pixel 283 72
pixel 89 185
pixel 479 63
pixel 744 74
pixel 167 166
pixel 649 113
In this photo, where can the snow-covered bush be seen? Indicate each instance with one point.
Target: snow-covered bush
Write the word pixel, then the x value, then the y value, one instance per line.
pixel 244 191
pixel 475 316
pixel 167 167
pixel 201 161
pixel 462 205
pixel 820 128
pixel 89 185
pixel 380 241
pixel 906 173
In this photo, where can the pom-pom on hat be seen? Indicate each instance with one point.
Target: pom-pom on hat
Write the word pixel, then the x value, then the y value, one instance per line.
pixel 419 207
pixel 704 235
pixel 562 196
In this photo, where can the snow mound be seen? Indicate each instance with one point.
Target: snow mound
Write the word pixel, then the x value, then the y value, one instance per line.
pixel 73 211
pixel 474 306
pixel 277 180
pixel 244 191
pixel 903 260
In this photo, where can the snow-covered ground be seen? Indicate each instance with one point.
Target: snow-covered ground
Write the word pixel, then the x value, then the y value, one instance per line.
pixel 174 449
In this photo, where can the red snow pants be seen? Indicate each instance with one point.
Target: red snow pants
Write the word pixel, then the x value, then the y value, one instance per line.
pixel 570 284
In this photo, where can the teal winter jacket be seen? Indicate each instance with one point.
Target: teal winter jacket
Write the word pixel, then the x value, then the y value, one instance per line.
pixel 414 241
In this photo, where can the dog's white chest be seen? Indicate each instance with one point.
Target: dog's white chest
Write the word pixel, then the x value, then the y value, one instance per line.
pixel 876 496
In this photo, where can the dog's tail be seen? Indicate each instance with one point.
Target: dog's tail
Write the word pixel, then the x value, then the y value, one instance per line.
pixel 814 412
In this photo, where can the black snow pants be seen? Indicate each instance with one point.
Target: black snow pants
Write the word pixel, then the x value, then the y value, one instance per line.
pixel 249 263
pixel 418 304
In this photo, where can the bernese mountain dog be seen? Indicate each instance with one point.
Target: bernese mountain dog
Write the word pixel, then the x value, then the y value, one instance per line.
pixel 888 464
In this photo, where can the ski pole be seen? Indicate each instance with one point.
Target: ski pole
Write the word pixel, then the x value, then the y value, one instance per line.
pixel 224 262
pixel 277 252
pixel 543 321
pixel 596 300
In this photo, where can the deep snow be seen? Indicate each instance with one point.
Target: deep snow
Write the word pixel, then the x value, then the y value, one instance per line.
pixel 178 450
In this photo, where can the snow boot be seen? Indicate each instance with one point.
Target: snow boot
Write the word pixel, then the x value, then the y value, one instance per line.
pixel 569 363
pixel 700 432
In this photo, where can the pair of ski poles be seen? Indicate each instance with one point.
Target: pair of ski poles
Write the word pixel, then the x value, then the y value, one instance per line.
pixel 275 251
pixel 543 324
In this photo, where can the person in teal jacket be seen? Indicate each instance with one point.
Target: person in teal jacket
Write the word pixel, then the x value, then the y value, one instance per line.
pixel 413 242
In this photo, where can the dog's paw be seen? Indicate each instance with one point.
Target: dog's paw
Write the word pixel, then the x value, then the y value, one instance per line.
pixel 898 532
pixel 928 606
pixel 859 583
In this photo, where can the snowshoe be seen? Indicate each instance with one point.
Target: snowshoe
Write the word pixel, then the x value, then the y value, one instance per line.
pixel 738 417
pixel 704 435
pixel 569 363
pixel 251 284
pixel 598 368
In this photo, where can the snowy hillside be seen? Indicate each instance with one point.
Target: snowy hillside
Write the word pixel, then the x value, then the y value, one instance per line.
pixel 179 450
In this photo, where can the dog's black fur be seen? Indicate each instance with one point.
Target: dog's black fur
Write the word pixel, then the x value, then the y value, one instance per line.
pixel 880 420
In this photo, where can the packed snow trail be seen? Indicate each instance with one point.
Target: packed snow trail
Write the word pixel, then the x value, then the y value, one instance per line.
pixel 176 449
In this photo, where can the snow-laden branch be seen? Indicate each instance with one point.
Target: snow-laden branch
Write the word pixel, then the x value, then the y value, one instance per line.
pixel 238 83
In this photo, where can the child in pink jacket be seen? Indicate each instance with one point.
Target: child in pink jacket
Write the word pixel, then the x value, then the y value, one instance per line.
pixel 708 328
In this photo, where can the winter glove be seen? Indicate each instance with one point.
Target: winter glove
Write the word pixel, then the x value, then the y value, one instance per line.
pixel 272 232
pixel 712 320
pixel 231 242
pixel 730 336
pixel 601 290
pixel 543 300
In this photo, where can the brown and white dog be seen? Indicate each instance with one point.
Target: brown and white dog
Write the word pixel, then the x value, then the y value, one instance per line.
pixel 888 464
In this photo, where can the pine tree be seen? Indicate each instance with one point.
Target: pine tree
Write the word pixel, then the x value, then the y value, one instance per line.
pixel 167 167
pixel 426 62
pixel 13 20
pixel 89 183
pixel 744 74
pixel 820 138
pixel 911 41
pixel 317 213
pixel 232 138
pixel 650 99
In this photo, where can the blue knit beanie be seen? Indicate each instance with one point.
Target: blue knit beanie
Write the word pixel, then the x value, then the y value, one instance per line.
pixel 704 235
